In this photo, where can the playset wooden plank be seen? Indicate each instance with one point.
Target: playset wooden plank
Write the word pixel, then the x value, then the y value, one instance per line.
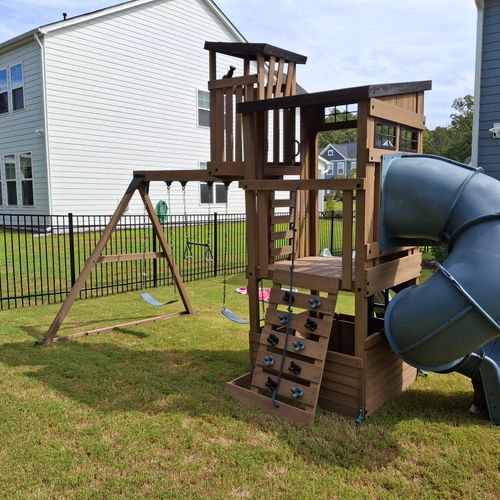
pixel 386 111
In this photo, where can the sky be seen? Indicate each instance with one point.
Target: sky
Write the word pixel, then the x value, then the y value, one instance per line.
pixel 348 42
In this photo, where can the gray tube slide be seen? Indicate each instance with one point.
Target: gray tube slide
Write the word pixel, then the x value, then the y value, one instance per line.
pixel 450 322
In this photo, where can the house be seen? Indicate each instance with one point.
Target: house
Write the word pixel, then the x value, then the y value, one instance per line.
pixel 341 159
pixel 87 100
pixel 486 125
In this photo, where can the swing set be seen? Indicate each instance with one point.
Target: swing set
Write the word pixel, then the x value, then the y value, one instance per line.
pixel 303 352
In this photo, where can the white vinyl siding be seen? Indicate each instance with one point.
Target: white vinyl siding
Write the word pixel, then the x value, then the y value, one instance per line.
pixel 18 130
pixel 122 96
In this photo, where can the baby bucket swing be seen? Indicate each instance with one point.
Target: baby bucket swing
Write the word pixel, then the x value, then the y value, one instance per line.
pixel 162 213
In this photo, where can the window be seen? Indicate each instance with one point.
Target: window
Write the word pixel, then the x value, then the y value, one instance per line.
pixel 216 193
pixel 17 86
pixel 4 92
pixel 330 152
pixel 10 179
pixel 26 179
pixel 203 108
pixel 385 135
pixel 408 139
pixel 341 168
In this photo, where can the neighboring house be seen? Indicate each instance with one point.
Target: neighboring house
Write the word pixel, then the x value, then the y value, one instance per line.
pixel 341 159
pixel 87 100
pixel 485 146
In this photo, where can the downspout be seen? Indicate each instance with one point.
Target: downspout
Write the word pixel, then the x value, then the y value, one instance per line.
pixel 477 83
pixel 45 118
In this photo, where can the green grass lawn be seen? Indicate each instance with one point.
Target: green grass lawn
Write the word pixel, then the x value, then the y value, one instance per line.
pixel 141 412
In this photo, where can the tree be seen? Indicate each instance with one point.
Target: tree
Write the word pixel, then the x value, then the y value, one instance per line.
pixel 338 136
pixel 455 140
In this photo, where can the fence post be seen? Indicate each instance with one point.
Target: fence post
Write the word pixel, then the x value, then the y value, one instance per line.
pixel 155 261
pixel 331 231
pixel 216 253
pixel 71 233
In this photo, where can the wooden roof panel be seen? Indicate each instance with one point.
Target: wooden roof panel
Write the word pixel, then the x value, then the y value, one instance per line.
pixel 335 97
pixel 250 51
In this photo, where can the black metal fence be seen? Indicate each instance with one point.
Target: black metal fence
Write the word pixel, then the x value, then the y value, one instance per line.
pixel 42 255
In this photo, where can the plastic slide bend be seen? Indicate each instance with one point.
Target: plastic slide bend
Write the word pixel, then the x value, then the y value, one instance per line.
pixel 452 320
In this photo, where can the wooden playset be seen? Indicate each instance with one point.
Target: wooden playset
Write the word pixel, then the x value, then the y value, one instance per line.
pixel 265 136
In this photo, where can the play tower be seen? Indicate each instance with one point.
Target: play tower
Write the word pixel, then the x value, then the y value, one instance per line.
pixel 315 355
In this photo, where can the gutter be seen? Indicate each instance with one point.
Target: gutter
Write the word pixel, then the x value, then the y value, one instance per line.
pixel 477 83
pixel 45 116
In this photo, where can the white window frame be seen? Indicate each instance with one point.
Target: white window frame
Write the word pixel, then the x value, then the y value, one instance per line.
pixel 18 180
pixel 341 168
pixel 4 161
pixel 198 107
pixel 6 69
pixel 31 179
pixel 12 88
pixel 330 152
pixel 203 165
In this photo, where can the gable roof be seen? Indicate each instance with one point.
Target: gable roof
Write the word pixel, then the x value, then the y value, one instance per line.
pixel 348 150
pixel 71 21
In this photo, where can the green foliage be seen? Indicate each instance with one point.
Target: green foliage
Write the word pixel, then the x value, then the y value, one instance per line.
pixel 338 136
pixel 439 253
pixel 330 204
pixel 455 140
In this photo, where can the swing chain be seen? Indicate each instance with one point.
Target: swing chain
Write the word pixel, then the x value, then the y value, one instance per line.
pixel 224 249
pixel 171 232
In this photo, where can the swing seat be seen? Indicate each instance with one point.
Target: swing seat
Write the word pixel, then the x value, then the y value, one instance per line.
pixel 230 315
pixel 153 302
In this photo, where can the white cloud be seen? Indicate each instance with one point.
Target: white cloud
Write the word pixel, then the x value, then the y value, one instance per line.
pixel 348 42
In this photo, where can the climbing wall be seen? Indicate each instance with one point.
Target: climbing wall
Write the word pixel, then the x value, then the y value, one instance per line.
pixel 304 351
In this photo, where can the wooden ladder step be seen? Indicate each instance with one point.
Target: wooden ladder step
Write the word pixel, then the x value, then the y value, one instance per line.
pixel 281 219
pixel 282 203
pixel 280 251
pixel 281 235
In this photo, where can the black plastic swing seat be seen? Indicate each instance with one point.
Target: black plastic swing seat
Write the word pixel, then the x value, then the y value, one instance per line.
pixel 153 302
pixel 233 317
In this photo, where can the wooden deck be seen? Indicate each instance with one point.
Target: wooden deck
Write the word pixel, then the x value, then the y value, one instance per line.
pixel 310 270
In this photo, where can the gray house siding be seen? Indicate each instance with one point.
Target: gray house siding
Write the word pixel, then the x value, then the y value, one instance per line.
pixel 18 129
pixel 489 113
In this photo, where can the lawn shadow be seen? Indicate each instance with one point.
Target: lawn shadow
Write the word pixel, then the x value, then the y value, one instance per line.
pixel 112 378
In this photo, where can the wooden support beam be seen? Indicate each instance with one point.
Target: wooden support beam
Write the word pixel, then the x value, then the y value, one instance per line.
pixel 130 256
pixel 120 326
pixel 232 82
pixel 308 184
pixel 176 175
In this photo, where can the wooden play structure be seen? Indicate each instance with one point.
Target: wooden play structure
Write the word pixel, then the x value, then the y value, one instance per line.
pixel 265 136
